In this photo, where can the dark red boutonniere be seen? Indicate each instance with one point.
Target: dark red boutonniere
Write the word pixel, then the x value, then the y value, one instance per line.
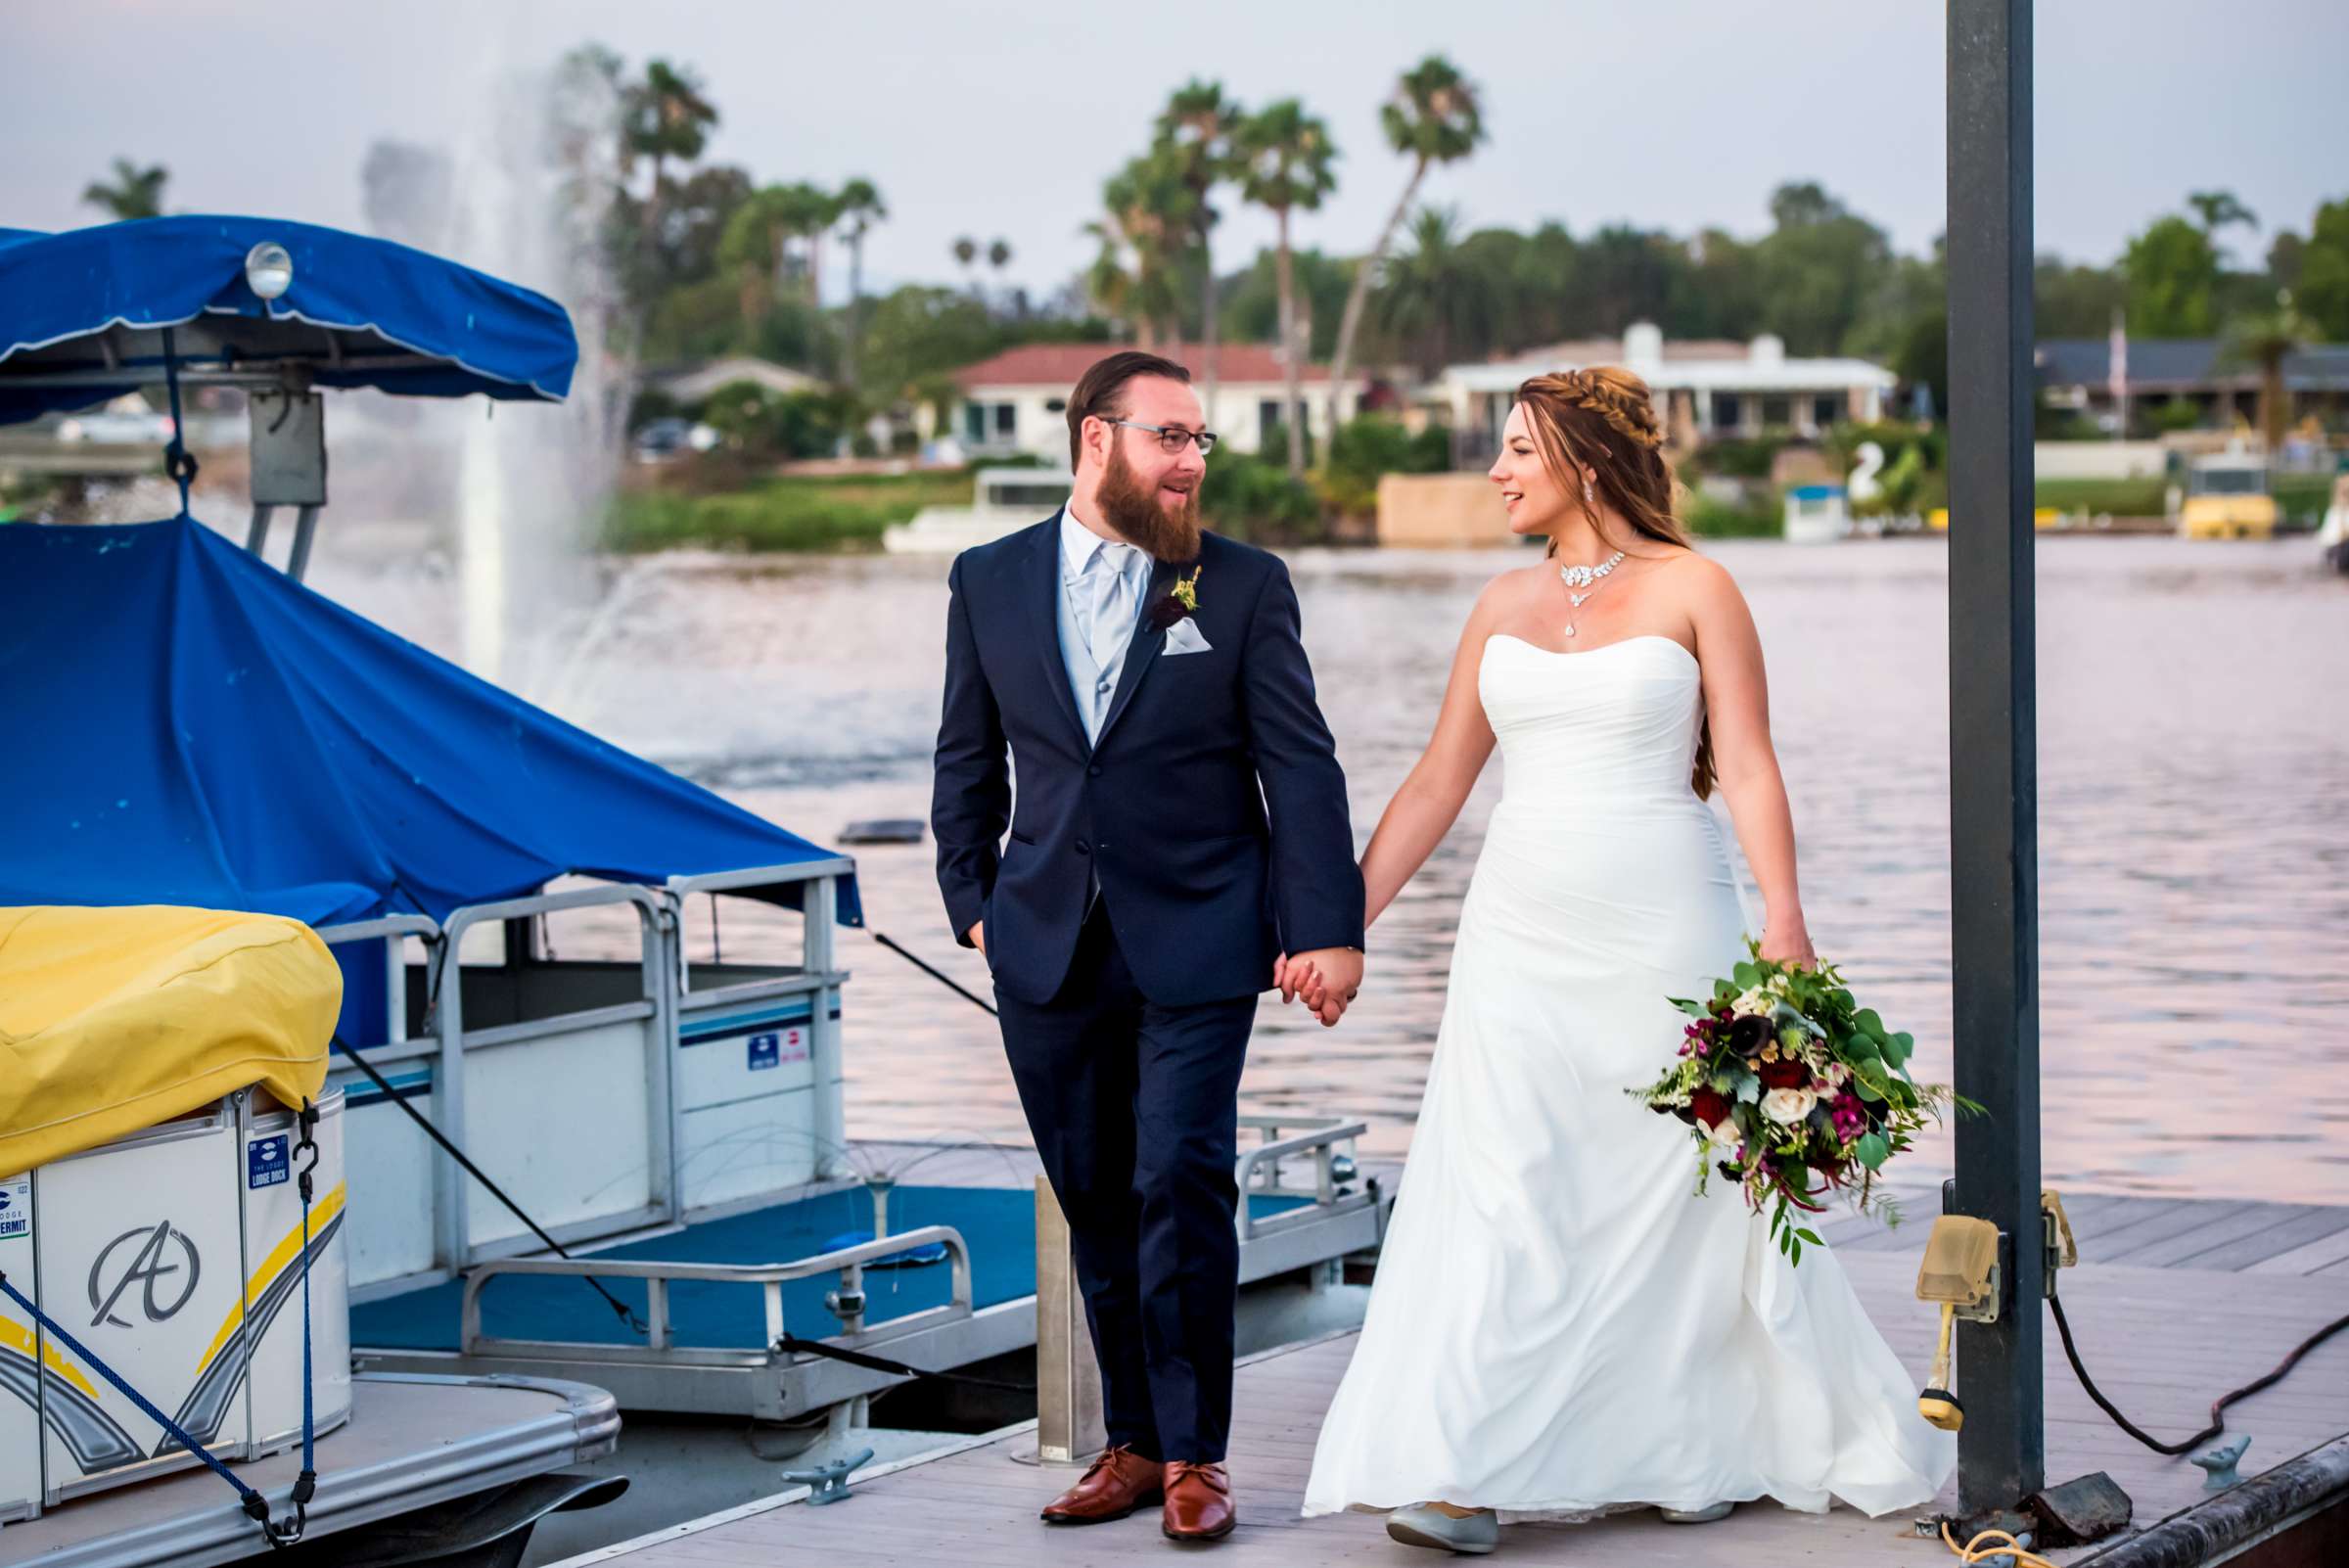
pixel 1182 602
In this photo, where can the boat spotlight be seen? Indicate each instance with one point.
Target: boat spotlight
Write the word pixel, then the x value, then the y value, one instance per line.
pixel 268 269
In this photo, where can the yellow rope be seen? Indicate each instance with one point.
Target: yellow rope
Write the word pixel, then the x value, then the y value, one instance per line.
pixel 2005 1547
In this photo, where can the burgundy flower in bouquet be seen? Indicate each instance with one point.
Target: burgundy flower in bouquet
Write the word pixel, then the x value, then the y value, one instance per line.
pixel 1795 1093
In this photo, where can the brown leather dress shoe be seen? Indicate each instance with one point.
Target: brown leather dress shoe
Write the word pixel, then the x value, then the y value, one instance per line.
pixel 1117 1482
pixel 1198 1504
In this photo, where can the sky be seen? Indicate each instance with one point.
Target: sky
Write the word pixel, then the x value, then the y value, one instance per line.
pixel 1003 119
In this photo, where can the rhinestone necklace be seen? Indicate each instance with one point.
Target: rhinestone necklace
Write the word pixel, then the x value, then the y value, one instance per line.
pixel 1588 578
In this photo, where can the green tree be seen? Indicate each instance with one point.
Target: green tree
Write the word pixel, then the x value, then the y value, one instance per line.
pixel 133 193
pixel 1432 117
pixel 1145 224
pixel 1252 299
pixel 758 243
pixel 2284 253
pixel 966 252
pixel 860 207
pixel 1285 155
pixel 1624 275
pixel 2267 340
pixel 2074 301
pixel 1718 294
pixel 1818 268
pixel 2322 291
pixel 1195 132
pixel 921 330
pixel 2219 209
pixel 1432 303
pixel 2172 271
pixel 665 118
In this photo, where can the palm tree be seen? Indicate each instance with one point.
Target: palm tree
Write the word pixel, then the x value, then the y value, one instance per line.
pixel 666 116
pixel 1432 117
pixel 998 256
pixel 758 239
pixel 2268 340
pixel 1195 131
pixel 966 251
pixel 1284 156
pixel 1145 213
pixel 808 213
pixel 860 207
pixel 1429 298
pixel 135 193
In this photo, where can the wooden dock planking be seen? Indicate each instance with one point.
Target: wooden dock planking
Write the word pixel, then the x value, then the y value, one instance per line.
pixel 2146 1332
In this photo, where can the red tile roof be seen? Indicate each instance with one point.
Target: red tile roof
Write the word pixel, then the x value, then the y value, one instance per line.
pixel 1059 364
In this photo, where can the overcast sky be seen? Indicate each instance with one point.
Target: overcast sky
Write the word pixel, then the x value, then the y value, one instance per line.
pixel 1003 118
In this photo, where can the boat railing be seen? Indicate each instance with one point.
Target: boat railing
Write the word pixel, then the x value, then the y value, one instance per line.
pixel 1258 1169
pixel 847 1302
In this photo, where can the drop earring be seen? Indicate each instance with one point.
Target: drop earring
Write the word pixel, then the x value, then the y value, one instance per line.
pixel 1588 496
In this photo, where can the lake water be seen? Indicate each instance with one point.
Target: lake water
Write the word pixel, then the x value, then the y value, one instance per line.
pixel 2194 834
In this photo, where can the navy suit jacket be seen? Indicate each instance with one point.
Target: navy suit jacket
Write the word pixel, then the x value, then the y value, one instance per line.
pixel 1211 807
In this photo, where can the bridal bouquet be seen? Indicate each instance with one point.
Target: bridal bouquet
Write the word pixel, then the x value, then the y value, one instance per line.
pixel 1795 1093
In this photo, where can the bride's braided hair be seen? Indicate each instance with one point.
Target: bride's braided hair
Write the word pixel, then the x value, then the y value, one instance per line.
pixel 1603 421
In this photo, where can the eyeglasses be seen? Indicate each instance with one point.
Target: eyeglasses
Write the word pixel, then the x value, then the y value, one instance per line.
pixel 1172 438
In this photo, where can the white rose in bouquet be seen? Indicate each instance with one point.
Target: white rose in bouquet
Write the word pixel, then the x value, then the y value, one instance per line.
pixel 1788 1106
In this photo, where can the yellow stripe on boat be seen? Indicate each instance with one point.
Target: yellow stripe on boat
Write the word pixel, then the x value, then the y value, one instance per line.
pixel 281 1255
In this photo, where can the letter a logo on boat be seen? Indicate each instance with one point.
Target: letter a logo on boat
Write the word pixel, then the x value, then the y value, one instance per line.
pixel 148 1265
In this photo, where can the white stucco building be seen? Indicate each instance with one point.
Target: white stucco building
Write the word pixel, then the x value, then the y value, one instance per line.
pixel 1703 388
pixel 1018 401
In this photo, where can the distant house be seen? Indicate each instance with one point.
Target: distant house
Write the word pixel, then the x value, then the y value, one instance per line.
pixel 689 383
pixel 1703 388
pixel 1017 403
pixel 2077 372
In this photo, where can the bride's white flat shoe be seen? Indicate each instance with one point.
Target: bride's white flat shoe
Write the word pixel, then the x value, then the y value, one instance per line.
pixel 1422 1526
pixel 1719 1510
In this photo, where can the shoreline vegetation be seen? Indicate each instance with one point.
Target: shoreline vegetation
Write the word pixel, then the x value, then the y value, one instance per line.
pixel 1729 491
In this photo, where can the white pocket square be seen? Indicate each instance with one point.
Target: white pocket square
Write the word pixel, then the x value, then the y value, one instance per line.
pixel 1184 637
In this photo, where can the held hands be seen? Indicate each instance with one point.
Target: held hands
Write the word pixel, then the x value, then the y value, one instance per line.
pixel 1326 978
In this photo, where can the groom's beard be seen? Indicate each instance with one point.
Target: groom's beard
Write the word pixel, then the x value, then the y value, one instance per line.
pixel 1134 511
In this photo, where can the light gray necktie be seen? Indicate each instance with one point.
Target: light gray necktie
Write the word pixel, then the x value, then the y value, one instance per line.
pixel 1106 618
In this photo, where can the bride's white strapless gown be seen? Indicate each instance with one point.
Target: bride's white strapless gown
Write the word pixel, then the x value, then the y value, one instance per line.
pixel 1560 1328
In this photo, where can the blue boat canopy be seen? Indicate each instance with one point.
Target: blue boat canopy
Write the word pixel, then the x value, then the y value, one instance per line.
pixel 190 726
pixel 82 315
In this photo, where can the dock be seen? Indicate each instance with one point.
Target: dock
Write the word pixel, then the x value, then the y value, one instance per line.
pixel 2174 1303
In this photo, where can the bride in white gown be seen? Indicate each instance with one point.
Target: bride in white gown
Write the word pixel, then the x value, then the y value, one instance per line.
pixel 1559 1327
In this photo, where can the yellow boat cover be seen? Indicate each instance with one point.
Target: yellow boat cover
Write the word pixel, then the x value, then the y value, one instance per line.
pixel 113 1020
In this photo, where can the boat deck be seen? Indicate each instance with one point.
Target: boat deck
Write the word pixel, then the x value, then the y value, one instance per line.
pixel 412 1440
pixel 2174 1303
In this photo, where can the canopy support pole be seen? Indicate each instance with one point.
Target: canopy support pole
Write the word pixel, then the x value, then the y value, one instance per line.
pixel 306 526
pixel 256 537
pixel 1993 758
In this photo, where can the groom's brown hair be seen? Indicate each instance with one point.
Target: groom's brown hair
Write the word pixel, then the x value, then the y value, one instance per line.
pixel 1101 390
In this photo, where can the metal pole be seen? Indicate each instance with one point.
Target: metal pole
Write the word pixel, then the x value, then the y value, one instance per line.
pixel 306 528
pixel 1069 1413
pixel 1994 762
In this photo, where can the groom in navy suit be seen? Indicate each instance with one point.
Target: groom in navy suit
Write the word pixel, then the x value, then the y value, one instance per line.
pixel 1180 822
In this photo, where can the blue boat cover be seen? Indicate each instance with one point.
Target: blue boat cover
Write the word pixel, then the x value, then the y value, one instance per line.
pixel 190 726
pixel 477 333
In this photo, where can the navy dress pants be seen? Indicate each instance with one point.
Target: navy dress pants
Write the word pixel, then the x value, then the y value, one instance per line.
pixel 1134 1111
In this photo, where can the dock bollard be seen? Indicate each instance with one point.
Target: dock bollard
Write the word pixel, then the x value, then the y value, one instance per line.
pixel 1069 1424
